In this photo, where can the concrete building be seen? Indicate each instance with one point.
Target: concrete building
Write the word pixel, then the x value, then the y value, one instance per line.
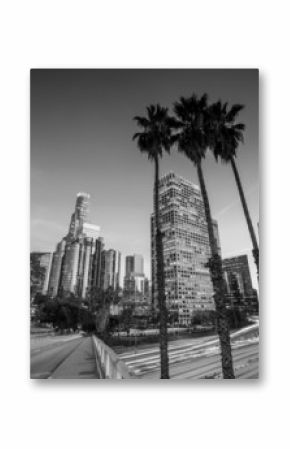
pixel 134 287
pixel 96 263
pixel 239 267
pixel 79 216
pixel 134 279
pixel 81 264
pixel 82 207
pixel 69 275
pixel 239 283
pixel 40 268
pixel 76 265
pixel 134 265
pixel 186 249
pixel 55 274
pixel 110 269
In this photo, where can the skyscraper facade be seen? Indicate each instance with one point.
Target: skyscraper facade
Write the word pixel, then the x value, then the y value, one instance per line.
pixel 96 263
pixel 134 279
pixel 70 267
pixel 186 249
pixel 239 283
pixel 76 263
pixel 79 216
pixel 110 269
pixel 239 267
pixel 40 268
pixel 134 265
pixel 82 207
pixel 56 268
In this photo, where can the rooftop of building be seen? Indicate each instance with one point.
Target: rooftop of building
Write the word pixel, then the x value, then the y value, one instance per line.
pixel 171 174
pixel 84 194
pixel 237 258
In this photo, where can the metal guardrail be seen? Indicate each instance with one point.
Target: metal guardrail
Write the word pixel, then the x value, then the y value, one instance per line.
pixel 109 364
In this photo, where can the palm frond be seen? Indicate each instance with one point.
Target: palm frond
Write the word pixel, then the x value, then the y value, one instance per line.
pixel 234 112
pixel 157 132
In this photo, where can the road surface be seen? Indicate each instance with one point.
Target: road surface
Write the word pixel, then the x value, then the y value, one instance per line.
pixel 198 359
pixel 73 357
pixel 62 357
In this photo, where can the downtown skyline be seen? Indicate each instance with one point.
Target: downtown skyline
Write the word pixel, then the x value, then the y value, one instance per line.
pixel 81 140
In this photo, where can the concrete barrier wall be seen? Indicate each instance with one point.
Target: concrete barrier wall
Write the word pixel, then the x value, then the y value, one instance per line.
pixel 109 364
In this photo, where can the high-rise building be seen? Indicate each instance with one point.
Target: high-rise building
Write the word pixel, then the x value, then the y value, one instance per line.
pixel 82 207
pixel 217 236
pixel 134 265
pixel 69 275
pixel 110 269
pixel 40 267
pixel 134 287
pixel 239 282
pixel 79 217
pixel 134 279
pixel 80 266
pixel 89 265
pixel 76 265
pixel 239 267
pixel 96 263
pixel 55 274
pixel 186 250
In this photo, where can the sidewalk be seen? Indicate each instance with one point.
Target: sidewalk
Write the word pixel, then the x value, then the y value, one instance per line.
pixel 81 364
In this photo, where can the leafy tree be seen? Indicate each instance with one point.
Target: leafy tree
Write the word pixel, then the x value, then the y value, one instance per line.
pixel 155 138
pixel 193 141
pixel 99 305
pixel 62 313
pixel 126 318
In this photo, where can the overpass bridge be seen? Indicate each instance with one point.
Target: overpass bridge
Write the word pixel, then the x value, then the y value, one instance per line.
pixel 79 357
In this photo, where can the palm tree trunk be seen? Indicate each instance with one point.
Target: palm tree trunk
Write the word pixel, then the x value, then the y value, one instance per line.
pixel 160 279
pixel 215 266
pixel 247 214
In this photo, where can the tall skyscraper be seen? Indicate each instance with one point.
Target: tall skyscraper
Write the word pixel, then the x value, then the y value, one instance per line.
pixel 134 265
pixel 110 269
pixel 89 268
pixel 55 274
pixel 96 263
pixel 186 249
pixel 80 215
pixel 70 267
pixel 77 259
pixel 134 280
pixel 82 207
pixel 40 268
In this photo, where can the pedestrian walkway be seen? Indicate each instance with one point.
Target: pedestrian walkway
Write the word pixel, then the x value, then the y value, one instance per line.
pixel 80 364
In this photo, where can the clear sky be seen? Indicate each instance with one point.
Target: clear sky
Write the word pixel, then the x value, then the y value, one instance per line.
pixel 81 140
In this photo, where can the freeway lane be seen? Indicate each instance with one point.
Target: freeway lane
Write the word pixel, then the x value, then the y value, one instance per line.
pixel 202 364
pixel 64 358
pixel 197 359
pixel 245 359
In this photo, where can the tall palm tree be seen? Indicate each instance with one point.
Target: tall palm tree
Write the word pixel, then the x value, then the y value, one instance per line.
pixel 226 135
pixel 156 137
pixel 192 140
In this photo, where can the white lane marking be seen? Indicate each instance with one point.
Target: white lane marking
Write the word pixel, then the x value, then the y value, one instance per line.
pixel 189 346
